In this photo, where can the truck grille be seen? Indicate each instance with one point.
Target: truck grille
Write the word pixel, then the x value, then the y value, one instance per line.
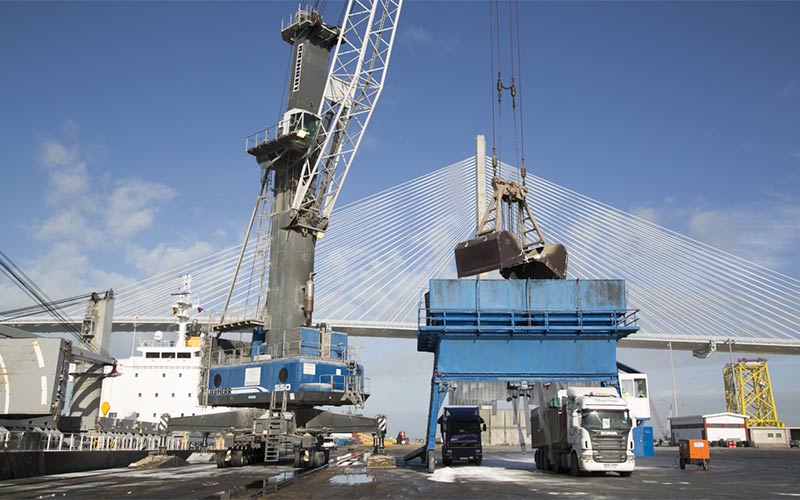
pixel 609 449
pixel 462 444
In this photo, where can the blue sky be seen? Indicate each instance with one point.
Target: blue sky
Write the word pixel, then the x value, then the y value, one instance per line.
pixel 122 126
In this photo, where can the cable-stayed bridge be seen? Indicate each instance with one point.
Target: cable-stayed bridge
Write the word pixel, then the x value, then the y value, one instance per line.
pixel 375 262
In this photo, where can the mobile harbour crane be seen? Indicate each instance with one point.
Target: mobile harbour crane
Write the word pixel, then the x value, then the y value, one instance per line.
pixel 292 366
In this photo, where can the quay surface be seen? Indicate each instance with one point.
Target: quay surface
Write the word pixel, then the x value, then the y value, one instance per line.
pixel 505 473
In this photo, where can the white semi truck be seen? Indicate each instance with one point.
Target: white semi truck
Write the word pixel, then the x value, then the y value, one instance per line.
pixel 584 430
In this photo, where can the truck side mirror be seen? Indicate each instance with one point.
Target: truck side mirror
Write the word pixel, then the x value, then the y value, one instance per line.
pixel 483 427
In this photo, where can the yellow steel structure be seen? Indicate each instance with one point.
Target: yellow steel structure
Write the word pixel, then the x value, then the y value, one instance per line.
pixel 748 391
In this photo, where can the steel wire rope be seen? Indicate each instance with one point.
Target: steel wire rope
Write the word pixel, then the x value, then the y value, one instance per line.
pixel 377 214
pixel 400 236
pixel 665 231
pixel 578 257
pixel 154 295
pixel 513 88
pixel 592 272
pixel 672 282
pixel 18 276
pixel 577 251
pixel 724 285
pixel 415 275
pixel 678 262
pixel 699 244
pixel 432 270
pixel 521 109
pixel 420 254
pixel 388 236
pixel 589 245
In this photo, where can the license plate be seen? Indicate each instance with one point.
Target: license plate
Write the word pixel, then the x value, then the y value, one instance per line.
pixel 609 466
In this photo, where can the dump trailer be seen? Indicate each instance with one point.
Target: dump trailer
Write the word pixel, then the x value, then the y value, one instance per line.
pixel 461 428
pixel 584 430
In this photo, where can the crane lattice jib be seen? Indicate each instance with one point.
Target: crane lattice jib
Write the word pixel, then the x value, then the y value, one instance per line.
pixel 354 84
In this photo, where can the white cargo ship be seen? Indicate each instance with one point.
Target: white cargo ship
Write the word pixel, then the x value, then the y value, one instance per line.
pixel 164 377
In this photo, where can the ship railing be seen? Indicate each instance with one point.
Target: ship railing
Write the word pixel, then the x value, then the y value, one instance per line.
pixel 158 343
pixel 52 440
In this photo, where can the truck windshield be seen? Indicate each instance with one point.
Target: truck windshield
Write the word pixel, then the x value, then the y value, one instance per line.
pixel 469 427
pixel 606 419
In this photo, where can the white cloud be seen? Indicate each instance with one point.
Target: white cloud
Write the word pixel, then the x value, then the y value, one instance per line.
pixel 90 217
pixel 164 257
pixel 649 214
pixel 133 204
pixel 53 153
pixel 791 90
pixel 67 225
pixel 419 36
pixel 69 185
pixel 767 234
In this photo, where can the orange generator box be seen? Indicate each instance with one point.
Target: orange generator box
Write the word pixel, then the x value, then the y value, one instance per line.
pixel 694 449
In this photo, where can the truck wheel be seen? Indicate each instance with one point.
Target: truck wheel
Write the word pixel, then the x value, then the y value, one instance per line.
pixel 236 458
pixel 220 459
pixel 478 460
pixel 431 462
pixel 574 466
pixel 319 459
pixel 682 463
pixel 626 473
pixel 298 458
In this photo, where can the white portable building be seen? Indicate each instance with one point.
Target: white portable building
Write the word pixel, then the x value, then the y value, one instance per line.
pixel 713 427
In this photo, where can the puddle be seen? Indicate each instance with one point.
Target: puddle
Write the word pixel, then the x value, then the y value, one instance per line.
pixel 351 479
pixel 261 486
pixel 283 476
pixel 351 476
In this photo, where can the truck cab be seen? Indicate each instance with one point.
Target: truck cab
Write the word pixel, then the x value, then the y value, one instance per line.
pixel 584 430
pixel 601 430
pixel 461 428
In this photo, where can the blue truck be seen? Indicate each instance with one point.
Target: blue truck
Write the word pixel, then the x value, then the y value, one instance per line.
pixel 461 428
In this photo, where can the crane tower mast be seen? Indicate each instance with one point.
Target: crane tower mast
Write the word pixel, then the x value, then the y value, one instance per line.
pixel 306 156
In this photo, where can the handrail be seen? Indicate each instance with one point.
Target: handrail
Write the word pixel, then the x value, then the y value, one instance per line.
pixel 301 121
pixel 528 321
pixel 300 348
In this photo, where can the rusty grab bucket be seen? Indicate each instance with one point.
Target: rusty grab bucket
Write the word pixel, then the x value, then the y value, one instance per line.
pixel 501 250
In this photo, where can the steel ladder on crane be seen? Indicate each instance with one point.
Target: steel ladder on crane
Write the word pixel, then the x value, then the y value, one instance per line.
pixel 273 428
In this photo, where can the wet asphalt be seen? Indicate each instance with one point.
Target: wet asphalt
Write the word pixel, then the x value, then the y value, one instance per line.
pixel 505 473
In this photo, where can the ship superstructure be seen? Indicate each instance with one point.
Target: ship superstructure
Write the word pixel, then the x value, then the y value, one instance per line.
pixel 164 376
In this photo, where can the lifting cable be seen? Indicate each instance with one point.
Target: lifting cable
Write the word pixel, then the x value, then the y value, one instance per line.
pixel 515 50
pixel 32 290
pixel 491 58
